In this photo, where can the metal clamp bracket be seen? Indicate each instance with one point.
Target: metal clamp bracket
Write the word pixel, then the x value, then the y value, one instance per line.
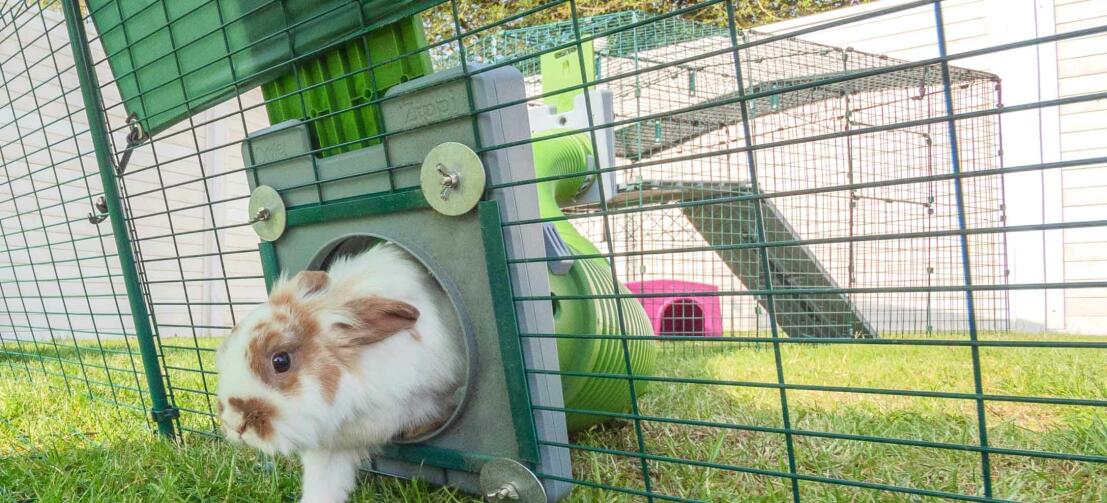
pixel 167 414
pixel 134 137
pixel 101 207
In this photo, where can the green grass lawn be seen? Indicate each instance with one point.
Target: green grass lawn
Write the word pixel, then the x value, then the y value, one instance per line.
pixel 81 446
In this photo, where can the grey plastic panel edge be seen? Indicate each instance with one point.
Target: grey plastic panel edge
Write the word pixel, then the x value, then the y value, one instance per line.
pixel 516 163
pixel 520 202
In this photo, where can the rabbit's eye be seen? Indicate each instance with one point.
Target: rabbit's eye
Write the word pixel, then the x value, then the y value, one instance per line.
pixel 281 362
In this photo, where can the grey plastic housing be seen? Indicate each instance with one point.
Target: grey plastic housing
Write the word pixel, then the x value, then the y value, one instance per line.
pixel 428 111
pixel 556 247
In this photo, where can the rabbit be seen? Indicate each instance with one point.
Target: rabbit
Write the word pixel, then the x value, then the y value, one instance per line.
pixel 336 364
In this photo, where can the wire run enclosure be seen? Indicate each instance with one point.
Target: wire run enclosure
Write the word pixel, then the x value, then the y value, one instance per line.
pixel 819 236
pixel 686 185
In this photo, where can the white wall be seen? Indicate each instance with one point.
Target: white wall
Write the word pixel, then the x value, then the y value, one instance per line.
pixel 32 59
pixel 47 175
pixel 1081 69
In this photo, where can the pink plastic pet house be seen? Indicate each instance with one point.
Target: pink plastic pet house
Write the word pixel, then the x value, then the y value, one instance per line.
pixel 681 314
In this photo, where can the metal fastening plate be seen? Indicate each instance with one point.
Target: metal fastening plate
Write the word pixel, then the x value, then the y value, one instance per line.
pixel 267 213
pixel 452 178
pixel 507 480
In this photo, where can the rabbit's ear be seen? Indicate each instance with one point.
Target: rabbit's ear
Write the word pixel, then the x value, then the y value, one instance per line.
pixel 308 282
pixel 376 318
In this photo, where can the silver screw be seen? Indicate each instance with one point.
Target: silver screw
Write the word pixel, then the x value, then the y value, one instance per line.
pixel 450 180
pixel 504 492
pixel 262 215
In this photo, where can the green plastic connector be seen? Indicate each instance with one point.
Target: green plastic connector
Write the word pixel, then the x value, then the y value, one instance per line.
pixel 598 316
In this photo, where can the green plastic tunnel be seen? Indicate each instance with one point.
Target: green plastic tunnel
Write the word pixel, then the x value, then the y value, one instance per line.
pixel 567 155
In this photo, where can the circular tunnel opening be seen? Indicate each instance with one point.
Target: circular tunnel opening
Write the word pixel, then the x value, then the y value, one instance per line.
pixel 683 317
pixel 353 245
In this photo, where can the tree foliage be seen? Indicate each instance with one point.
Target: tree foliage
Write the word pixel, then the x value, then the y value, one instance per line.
pixel 747 13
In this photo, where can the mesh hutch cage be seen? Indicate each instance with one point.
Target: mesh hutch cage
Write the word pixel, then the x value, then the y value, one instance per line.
pixel 592 191
pixel 684 201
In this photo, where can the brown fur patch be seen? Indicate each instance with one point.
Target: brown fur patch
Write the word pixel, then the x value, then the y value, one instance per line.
pixel 328 374
pixel 311 281
pixel 293 328
pixel 260 353
pixel 257 415
pixel 281 296
pixel 379 318
pixel 300 336
pixel 302 322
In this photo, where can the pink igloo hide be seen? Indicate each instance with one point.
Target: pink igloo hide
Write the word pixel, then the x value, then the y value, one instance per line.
pixel 681 314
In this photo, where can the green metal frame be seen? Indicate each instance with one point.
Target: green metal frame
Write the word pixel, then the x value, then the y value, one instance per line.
pixel 511 350
pixel 270 266
pixel 160 408
pixel 355 207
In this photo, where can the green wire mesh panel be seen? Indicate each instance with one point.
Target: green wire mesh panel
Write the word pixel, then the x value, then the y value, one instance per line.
pixel 65 319
pixel 845 102
pixel 829 242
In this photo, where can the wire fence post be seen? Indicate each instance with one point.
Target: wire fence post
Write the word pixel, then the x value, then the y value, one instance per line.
pixel 966 266
pixel 763 253
pixel 162 411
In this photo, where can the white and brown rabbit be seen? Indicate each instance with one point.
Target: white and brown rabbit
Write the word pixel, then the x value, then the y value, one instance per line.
pixel 336 364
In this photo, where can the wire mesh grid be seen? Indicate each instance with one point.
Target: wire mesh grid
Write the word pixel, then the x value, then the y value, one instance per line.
pixel 66 315
pixel 798 170
pixel 798 213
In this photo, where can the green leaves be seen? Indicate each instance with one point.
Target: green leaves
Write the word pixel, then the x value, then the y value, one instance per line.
pixel 748 13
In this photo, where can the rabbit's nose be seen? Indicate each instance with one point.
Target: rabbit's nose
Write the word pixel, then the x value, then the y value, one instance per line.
pixel 233 432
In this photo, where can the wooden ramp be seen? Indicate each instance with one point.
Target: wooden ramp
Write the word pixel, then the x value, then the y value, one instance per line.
pixel 727 225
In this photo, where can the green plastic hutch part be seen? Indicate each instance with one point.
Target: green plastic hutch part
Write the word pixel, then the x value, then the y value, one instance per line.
pixel 172 59
pixel 372 193
pixel 561 69
pixel 598 317
pixel 339 105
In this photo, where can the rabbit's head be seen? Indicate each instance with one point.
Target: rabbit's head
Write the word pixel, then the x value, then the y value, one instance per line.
pixel 349 356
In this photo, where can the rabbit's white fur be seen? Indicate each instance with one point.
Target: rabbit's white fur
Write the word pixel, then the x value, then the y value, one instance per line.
pixel 400 382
